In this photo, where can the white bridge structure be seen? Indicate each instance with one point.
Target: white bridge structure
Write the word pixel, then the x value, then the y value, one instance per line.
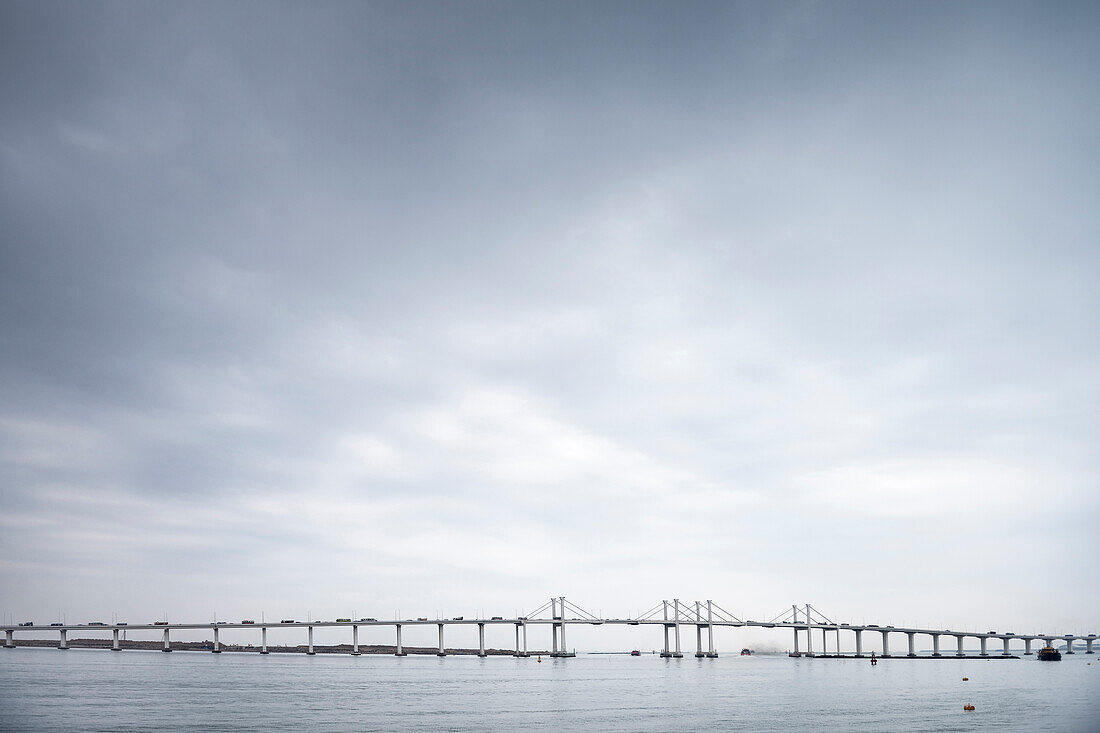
pixel 558 614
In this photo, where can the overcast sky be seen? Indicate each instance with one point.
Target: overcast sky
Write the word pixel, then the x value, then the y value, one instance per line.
pixel 453 307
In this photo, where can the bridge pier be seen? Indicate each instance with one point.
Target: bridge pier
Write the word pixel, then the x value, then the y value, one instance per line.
pixel 354 640
pixel 809 633
pixel 217 644
pixel 664 615
pixel 65 638
pixel 698 632
pixel 676 616
pixel 1069 645
pixel 1005 652
pixel 959 642
pixel 554 627
pixel 399 651
pixel 936 645
pixel 564 649
pixel 263 640
pixel 442 652
pixel 1088 645
pixel 9 639
pixel 984 639
pixel 885 643
pixel 481 640
pixel 859 642
pixel 522 653
pixel 1027 646
pixel 114 641
pixel 310 649
pixel 711 654
pixel 912 649
pixel 167 642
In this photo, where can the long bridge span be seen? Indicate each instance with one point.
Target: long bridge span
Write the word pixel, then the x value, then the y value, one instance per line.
pixel 558 614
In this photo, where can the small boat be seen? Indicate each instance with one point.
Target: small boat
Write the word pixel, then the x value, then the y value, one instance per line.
pixel 746 652
pixel 635 653
pixel 1049 654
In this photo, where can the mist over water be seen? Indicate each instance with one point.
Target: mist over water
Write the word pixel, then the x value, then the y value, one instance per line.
pixel 90 690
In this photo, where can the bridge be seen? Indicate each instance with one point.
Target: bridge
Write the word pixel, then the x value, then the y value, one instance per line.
pixel 558 614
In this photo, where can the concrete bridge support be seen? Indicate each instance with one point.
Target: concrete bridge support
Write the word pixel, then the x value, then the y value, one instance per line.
pixel 400 650
pixel 912 648
pixel 676 620
pixel 167 642
pixel 442 652
pixel 564 648
pixel 936 645
pixel 481 640
pixel 1005 652
pixel 794 628
pixel 1027 646
pixel 711 654
pixel 355 641
pixel 217 644
pixel 554 627
pixel 9 639
pixel 65 638
pixel 809 633
pixel 521 651
pixel 1088 645
pixel 885 643
pixel 114 642
pixel 959 649
pixel 1069 645
pixel 859 642
pixel 984 641
pixel 263 640
pixel 310 649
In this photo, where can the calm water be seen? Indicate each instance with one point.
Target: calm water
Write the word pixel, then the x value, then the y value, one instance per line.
pixel 94 690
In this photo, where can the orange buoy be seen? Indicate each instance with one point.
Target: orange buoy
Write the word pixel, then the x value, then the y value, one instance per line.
pixel 968 707
pixel 966 679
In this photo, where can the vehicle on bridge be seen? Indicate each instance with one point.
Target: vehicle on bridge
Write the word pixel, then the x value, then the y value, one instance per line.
pixel 160 623
pixel 27 623
pixel 287 621
pixel 368 619
pixel 343 620
pixel 57 624
pixel 248 621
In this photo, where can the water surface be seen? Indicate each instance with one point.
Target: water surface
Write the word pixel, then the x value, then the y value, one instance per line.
pixel 97 690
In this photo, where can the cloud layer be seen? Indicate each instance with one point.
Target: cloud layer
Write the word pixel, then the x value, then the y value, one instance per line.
pixel 435 306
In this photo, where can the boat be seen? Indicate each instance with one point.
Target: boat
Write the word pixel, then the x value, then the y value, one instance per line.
pixel 1049 654
pixel 746 652
pixel 635 653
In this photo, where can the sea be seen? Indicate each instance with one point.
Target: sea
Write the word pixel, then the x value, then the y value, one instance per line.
pixel 44 689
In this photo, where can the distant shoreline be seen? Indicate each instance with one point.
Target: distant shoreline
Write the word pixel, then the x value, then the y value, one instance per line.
pixel 207 646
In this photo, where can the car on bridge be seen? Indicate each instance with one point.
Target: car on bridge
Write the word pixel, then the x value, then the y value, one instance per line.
pixel 422 618
pixel 457 618
pixel 368 619
pixel 248 621
pixel 497 618
pixel 96 623
pixel 57 624
pixel 121 623
pixel 343 620
pixel 160 623
pixel 287 621
pixel 27 623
